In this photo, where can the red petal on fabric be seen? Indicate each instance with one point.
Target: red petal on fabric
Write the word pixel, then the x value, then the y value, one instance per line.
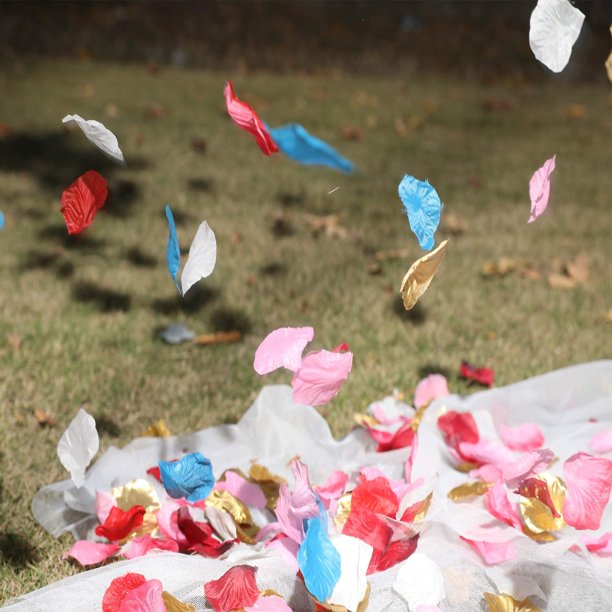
pixel 396 552
pixel 155 472
pixel 482 376
pixel 457 427
pixel 497 503
pixel 200 536
pixel 601 545
pixel 371 529
pixel 118 589
pixel 375 495
pixel 120 523
pixel 534 487
pixel 402 438
pixel 247 119
pixel 237 588
pixel 82 200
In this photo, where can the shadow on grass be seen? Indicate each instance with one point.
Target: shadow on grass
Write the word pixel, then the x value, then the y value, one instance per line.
pixel 122 196
pixel 282 227
pixel 196 299
pixel 83 242
pixel 106 300
pixel 417 315
pixel 290 200
pixel 139 258
pixel 274 268
pixel 432 368
pixel 200 184
pixel 48 260
pixel 228 319
pixel 16 550
pixel 107 426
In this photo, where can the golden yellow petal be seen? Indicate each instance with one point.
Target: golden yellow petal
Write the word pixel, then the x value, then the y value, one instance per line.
pixel 270 593
pixel 418 416
pixel 226 501
pixel 420 274
pixel 159 429
pixel 344 509
pixel 174 605
pixel 507 603
pixel 331 607
pixel 365 420
pixel 545 536
pixel 269 483
pixel 137 492
pixel 465 467
pixel 363 604
pixel 422 512
pixel 468 489
pixel 536 515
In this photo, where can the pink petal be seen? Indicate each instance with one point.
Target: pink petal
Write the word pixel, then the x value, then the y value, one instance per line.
pixel 167 522
pixel 87 552
pixel 386 415
pixel 333 487
pixel 530 463
pixel 429 389
pixel 320 377
pixel 602 442
pixel 525 437
pixel 497 503
pixel 486 452
pixel 410 461
pixel 287 549
pixel 272 603
pixel 602 544
pixel 588 481
pixel 247 492
pixel 487 473
pixel 104 502
pixel 539 188
pixel 493 552
pixel 282 348
pixel 145 598
pixel 142 545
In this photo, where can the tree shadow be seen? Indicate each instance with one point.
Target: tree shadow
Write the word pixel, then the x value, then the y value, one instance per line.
pixel 122 196
pixel 282 227
pixel 105 300
pixel 139 258
pixel 290 200
pixel 53 259
pixel 416 315
pixel 16 549
pixel 196 299
pixel 229 319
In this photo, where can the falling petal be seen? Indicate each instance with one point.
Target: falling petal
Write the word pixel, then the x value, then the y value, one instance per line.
pixel 99 135
pixel 78 446
pixel 539 188
pixel 202 257
pixel 282 348
pixel 419 581
pixel 237 588
pixel 525 437
pixel 419 276
pixel 190 477
pixel 173 253
pixel 91 553
pixel 82 200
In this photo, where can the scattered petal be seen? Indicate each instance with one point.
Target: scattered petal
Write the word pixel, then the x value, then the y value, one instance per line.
pixel 507 603
pixel 82 200
pixel 493 552
pixel 333 488
pixel 118 589
pixel 247 492
pixel 525 437
pixel 173 252
pixel 419 581
pixel 529 464
pixel 271 603
pixel 120 523
pixel 78 446
pixel 601 545
pixel 87 552
pixel 430 388
pixel 174 605
pixel 468 490
pixel 457 428
pixel 419 276
pixel 482 376
pixel 497 503
pixel 282 348
pixel 602 442
pixel 99 135
pixel 237 588
pixel 143 545
pixel 190 477
pixel 537 488
pixel 539 186
pixel 144 598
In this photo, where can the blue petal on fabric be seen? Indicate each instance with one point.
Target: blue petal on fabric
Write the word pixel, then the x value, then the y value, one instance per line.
pixel 319 560
pixel 295 142
pixel 423 206
pixel 190 477
pixel 173 253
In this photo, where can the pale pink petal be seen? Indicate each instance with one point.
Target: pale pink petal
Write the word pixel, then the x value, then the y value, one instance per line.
pixel 410 461
pixel 530 463
pixel 145 598
pixel 104 502
pixel 287 549
pixel 387 411
pixel 320 377
pixel 143 545
pixel 269 531
pixel 247 492
pixel 487 473
pixel 493 552
pixel 333 487
pixel 497 503
pixel 601 545
pixel 525 437
pixel 167 521
pixel 430 388
pixel 486 452
pixel 539 188
pixel 588 481
pixel 272 603
pixel 282 348
pixel 87 552
pixel 602 442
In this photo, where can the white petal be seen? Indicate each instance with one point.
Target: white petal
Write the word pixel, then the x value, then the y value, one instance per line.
pixel 553 29
pixel 222 522
pixel 419 581
pixel 78 446
pixel 97 133
pixel 202 257
pixel 355 557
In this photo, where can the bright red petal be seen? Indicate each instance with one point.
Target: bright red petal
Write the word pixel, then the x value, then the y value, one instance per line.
pixel 155 472
pixel 237 588
pixel 120 523
pixel 482 376
pixel 397 551
pixel 457 427
pixel 118 589
pixel 82 200
pixel 371 529
pixel 402 438
pixel 375 496
pixel 200 536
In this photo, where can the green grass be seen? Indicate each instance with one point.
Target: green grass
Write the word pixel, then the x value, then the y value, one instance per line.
pixel 73 354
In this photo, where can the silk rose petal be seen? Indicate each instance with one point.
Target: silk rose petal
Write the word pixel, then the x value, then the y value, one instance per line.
pixel 120 523
pixel 529 464
pixel 493 552
pixel 282 348
pixel 144 544
pixel 145 598
pixel 82 200
pixel 419 581
pixel 600 545
pixel 87 552
pixel 247 492
pixel 119 588
pixel 271 603
pixel 525 437
pixel 602 442
pixel 78 446
pixel 539 188
pixel 190 477
pixel 430 388
pixel 237 588
pixel 497 503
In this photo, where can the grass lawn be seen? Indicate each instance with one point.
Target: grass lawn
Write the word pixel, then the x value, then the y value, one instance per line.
pixel 79 317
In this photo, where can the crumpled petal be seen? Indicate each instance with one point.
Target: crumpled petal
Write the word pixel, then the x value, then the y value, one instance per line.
pixel 87 552
pixel 99 135
pixel 78 446
pixel 525 437
pixel 222 522
pixel 237 588
pixel 320 376
pixel 246 118
pixel 144 598
pixel 120 523
pixel 497 503
pixel 482 376
pixel 282 348
pixel 200 536
pixel 296 143
pixel 201 259
pixel 588 481
pixel 333 488
pixel 554 27
pixel 529 464
pixel 419 581
pixel 119 588
pixel 190 477
pixel 402 438
pixel 602 442
pixel 271 603
pixel 430 388
pixel 600 545
pixel 82 200
pixel 144 544
pixel 423 207
pixel 420 274
pixel 375 496
pixel 539 188
pixel 493 552
pixel 247 492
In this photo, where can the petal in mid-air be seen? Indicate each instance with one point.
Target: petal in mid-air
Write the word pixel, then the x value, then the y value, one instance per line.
pixel 539 188
pixel 99 135
pixel 82 200
pixel 419 276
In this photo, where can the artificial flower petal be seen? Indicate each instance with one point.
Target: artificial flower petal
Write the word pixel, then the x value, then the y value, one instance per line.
pixel 420 274
pixel 296 143
pixel 468 490
pixel 402 438
pixel 539 187
pixel 538 488
pixel 375 496
pixel 493 552
pixel 371 529
pixel 282 348
pixel 173 252
pixel 174 605
pixel 78 445
pixel 423 207
pixel 201 259
pixel 99 135
pixel 320 376
pixel 602 442
pixel 457 428
pixel 246 118
pixel 540 509
pixel 525 437
pixel 270 603
pixel 507 603
pixel 482 376
pixel 87 552
pixel 486 452
pixel 119 588
pixel 419 581
pixel 145 598
pixel 247 492
pixel 120 523
pixel 529 464
pixel 222 522
pixel 104 502
pixel 82 200
pixel 600 545
pixel 333 488
pixel 430 388
pixel 190 477
pixel 138 492
pixel 144 544
pixel 237 588
pixel 588 481
pixel 199 536
pixel 497 503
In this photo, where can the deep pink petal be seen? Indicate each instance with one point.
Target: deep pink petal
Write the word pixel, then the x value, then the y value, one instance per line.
pixel 282 348
pixel 430 388
pixel 145 598
pixel 237 588
pixel 539 188
pixel 143 545
pixel 493 552
pixel 247 492
pixel 601 545
pixel 272 603
pixel 87 552
pixel 497 503
pixel 602 442
pixel 525 437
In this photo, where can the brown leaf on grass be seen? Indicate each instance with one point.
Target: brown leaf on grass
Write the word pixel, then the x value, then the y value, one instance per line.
pixel 529 272
pixel 502 267
pixel 575 111
pixel 43 418
pixel 156 111
pixel 328 224
pixel 14 341
pixel 560 281
pixel 282 226
pixel 218 338
pixel 578 268
pixel 454 225
pixel 351 132
pixel 421 273
pixel 404 128
pixel 251 280
pixel 497 105
pixel 199 145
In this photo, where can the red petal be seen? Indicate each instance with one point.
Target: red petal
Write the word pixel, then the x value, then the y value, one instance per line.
pixel 371 529
pixel 200 536
pixel 247 119
pixel 120 523
pixel 155 472
pixel 341 348
pixel 534 487
pixel 482 376
pixel 397 551
pixel 402 438
pixel 376 496
pixel 118 589
pixel 457 427
pixel 82 200
pixel 237 588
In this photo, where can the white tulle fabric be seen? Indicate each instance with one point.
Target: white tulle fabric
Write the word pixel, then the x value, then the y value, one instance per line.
pixel 563 403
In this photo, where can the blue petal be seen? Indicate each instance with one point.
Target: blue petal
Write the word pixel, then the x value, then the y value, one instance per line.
pixel 190 477
pixel 423 207
pixel 173 253
pixel 319 560
pixel 295 142
pixel 1 221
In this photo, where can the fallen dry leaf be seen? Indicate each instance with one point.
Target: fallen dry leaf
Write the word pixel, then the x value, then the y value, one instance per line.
pixel 43 418
pixel 575 111
pixel 111 110
pixel 375 268
pixel 5 130
pixel 328 224
pixel 475 182
pixel 218 338
pixel 236 237
pixel 454 225
pixel 501 267
pixel 350 132
pixel 578 268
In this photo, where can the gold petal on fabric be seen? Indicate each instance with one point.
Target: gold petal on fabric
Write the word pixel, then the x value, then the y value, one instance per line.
pixel 467 490
pixel 420 275
pixel 536 515
pixel 418 416
pixel 420 515
pixel 174 605
pixel 137 492
pixel 269 483
pixel 226 501
pixel 507 603
pixel 159 429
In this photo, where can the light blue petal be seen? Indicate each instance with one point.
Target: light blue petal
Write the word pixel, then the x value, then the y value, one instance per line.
pixel 423 207
pixel 295 142
pixel 319 560
pixel 190 477
pixel 173 253
pixel 1 221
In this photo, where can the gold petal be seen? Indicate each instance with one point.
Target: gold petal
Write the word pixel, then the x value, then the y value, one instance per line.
pixel 545 536
pixel 507 603
pixel 418 416
pixel 536 515
pixel 226 501
pixel 269 483
pixel 344 509
pixel 465 467
pixel 420 515
pixel 468 489
pixel 174 605
pixel 270 592
pixel 420 274
pixel 363 604
pixel 159 429
pixel 365 420
pixel 137 492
